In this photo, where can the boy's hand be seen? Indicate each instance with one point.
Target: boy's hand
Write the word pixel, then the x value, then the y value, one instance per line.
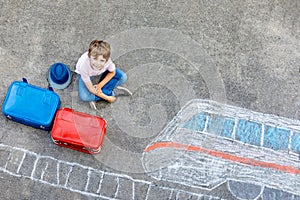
pixel 94 91
pixel 109 99
pixel 98 89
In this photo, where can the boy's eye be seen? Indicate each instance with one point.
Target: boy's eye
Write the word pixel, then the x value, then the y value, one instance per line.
pixel 98 60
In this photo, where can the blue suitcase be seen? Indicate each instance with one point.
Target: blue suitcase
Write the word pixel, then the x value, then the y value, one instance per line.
pixel 31 105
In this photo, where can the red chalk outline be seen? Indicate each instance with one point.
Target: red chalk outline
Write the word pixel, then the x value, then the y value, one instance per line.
pixel 226 156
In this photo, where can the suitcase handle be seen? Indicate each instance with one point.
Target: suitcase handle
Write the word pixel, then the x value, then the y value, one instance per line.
pixel 49 88
pixel 24 80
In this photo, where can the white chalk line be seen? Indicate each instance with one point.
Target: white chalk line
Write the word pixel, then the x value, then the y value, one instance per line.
pixel 233 133
pixel 236 113
pixel 100 183
pixel 21 163
pixel 148 191
pixel 202 186
pixel 88 179
pixel 230 190
pixel 71 167
pixel 209 107
pixel 133 190
pixel 171 194
pixel 118 185
pixel 263 186
pixel 68 175
pixel 57 172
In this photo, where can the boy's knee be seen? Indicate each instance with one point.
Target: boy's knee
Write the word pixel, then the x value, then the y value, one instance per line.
pixel 124 77
pixel 84 97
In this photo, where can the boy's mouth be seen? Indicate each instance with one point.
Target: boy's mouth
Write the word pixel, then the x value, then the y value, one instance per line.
pixel 97 67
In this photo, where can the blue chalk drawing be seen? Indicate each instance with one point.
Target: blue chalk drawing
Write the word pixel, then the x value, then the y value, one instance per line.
pixel 196 123
pixel 237 126
pixel 295 143
pixel 220 126
pixel 276 138
pixel 249 132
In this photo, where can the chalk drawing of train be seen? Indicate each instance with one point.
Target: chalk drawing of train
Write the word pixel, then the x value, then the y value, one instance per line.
pixel 208 143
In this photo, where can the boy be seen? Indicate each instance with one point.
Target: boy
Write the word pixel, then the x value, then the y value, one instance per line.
pixel 96 62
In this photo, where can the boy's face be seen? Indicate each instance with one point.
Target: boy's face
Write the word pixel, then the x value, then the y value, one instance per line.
pixel 97 63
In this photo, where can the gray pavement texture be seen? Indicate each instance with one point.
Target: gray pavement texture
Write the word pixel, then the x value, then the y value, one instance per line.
pixel 241 53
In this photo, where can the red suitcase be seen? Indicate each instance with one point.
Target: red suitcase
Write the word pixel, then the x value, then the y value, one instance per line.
pixel 78 131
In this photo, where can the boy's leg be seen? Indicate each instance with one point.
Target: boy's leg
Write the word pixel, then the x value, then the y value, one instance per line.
pixel 84 93
pixel 119 78
pixel 122 77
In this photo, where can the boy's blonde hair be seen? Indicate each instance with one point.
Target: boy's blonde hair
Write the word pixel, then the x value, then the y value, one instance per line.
pixel 99 47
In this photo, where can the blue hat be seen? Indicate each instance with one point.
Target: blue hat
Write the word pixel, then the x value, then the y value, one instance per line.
pixel 59 76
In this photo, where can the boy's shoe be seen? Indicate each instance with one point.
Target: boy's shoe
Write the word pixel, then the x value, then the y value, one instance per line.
pixel 93 105
pixel 122 91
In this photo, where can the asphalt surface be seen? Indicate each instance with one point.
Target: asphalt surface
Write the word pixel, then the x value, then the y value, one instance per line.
pixel 239 53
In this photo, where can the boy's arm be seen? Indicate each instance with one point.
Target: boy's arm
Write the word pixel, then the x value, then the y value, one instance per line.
pixel 94 91
pixel 110 99
pixel 107 78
